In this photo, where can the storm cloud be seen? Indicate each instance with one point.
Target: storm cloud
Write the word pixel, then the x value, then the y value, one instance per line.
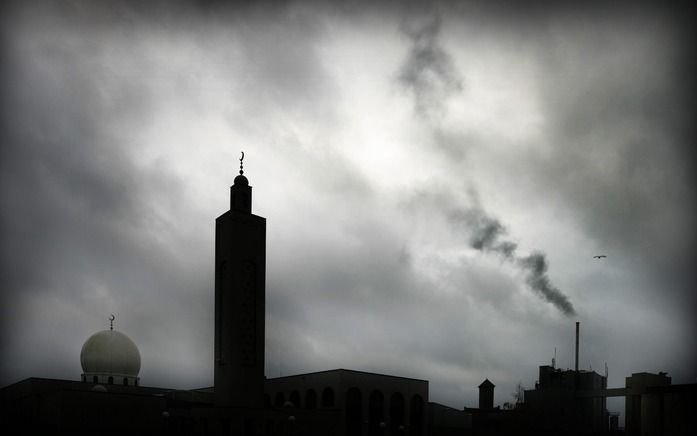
pixel 365 129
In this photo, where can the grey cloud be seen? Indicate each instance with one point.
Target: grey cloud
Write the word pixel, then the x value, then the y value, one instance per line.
pixel 79 218
pixel 623 155
pixel 84 219
pixel 83 227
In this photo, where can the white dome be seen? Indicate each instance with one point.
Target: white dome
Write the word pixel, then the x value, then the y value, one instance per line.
pixel 110 352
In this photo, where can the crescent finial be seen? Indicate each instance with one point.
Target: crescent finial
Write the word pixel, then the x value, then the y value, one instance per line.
pixel 111 321
pixel 241 159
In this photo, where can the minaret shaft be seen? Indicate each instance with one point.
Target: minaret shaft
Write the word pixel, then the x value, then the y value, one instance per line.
pixel 240 270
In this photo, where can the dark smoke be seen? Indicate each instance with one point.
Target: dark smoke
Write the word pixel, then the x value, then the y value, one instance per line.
pixel 536 265
pixel 428 70
pixel 486 234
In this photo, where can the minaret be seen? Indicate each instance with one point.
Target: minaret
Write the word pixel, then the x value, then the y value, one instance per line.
pixel 240 270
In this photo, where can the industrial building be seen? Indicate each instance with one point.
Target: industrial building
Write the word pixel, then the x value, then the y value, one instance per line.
pixel 554 406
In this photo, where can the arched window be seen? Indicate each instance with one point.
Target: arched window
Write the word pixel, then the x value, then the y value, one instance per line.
pixel 95 379
pixel 328 397
pixel 295 398
pixel 416 415
pixel 376 413
pixel 136 382
pixel 280 399
pixel 125 381
pixel 111 380
pixel 354 412
pixel 396 412
pixel 311 399
pixel 84 379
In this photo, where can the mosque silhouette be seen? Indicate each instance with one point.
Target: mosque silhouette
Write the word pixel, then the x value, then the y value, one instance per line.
pixel 109 398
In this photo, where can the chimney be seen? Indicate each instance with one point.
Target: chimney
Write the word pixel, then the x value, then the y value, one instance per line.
pixel 576 365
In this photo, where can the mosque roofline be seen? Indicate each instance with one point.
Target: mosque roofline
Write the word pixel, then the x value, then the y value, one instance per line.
pixel 81 383
pixel 443 406
pixel 345 370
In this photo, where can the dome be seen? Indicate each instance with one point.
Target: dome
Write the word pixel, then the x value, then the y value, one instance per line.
pixel 110 352
pixel 241 180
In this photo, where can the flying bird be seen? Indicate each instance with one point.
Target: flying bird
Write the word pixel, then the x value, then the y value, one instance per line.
pixel 600 256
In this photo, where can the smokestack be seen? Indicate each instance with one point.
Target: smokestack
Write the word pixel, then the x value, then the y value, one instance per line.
pixel 576 365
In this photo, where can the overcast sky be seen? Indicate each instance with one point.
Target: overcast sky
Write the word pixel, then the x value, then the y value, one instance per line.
pixel 436 181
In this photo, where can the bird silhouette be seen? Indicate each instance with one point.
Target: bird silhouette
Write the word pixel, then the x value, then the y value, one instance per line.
pixel 600 256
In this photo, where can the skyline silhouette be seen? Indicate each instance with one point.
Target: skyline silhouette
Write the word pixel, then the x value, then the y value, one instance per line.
pixel 366 130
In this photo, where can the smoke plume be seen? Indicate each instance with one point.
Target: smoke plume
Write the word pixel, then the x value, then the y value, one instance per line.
pixel 486 234
pixel 428 70
pixel 536 266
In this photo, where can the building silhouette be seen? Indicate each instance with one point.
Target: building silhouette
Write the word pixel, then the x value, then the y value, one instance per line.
pixel 367 403
pixel 555 406
pixel 486 395
pixel 240 262
pixel 110 399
